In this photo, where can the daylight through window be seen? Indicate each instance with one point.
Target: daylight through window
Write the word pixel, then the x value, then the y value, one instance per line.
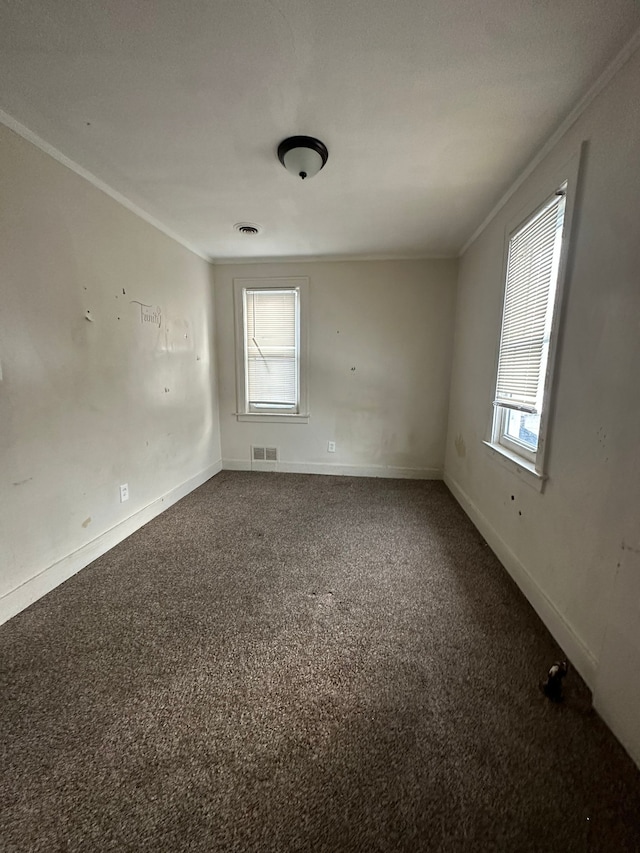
pixel 271 350
pixel 530 297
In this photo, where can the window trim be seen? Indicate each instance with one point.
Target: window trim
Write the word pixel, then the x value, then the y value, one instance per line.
pixel 302 285
pixel 533 465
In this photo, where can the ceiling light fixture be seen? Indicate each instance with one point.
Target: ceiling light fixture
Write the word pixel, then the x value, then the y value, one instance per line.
pixel 303 156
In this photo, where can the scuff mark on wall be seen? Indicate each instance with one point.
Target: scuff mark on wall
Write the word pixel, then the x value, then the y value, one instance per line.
pixel 86 522
pixel 22 482
pixel 461 447
pixel 178 336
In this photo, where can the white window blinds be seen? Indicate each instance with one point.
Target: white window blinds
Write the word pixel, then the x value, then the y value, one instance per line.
pixel 532 273
pixel 271 349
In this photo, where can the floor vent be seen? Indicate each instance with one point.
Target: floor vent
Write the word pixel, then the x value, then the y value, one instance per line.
pixel 264 458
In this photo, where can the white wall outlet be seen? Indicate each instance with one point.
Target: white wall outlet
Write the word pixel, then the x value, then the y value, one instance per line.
pixel 124 492
pixel 331 447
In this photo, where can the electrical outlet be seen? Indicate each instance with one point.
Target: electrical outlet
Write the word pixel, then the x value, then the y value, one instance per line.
pixel 124 492
pixel 331 447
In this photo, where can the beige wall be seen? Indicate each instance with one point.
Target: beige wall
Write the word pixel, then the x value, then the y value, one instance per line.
pixel 575 548
pixel 392 321
pixel 86 406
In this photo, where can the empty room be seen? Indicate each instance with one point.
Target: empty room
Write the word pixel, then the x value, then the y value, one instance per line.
pixel 319 426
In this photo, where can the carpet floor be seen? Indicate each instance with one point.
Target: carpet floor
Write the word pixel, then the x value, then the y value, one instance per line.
pixel 300 663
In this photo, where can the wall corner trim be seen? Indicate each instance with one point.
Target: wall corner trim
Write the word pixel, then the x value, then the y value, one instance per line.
pixel 31 590
pixel 564 634
pixel 609 72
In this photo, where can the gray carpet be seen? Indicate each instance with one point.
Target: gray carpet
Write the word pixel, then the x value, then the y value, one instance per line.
pixel 300 663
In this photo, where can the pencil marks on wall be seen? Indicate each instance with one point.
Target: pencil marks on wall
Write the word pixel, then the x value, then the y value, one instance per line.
pixel 149 314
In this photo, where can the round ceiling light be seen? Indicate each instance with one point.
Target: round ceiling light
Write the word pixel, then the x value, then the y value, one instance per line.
pixel 303 156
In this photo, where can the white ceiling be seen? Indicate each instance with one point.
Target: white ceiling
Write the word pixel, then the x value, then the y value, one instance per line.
pixel 429 108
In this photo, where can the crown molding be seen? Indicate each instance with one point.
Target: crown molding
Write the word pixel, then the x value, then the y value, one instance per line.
pixel 14 125
pixel 316 259
pixel 590 95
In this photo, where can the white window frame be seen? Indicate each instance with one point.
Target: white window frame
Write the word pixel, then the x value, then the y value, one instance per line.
pixel 516 455
pixel 301 285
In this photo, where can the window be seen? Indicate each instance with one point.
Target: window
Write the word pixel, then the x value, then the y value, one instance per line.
pixel 271 348
pixel 536 260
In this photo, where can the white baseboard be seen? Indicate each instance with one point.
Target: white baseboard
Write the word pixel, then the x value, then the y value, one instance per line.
pixel 31 590
pixel 564 634
pixel 340 470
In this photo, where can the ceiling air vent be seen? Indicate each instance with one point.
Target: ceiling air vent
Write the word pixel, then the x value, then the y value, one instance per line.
pixel 248 228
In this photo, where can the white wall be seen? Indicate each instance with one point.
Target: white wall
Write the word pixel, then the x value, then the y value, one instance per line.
pixel 393 322
pixel 575 548
pixel 85 406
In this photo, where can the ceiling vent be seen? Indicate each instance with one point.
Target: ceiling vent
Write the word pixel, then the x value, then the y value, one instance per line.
pixel 250 229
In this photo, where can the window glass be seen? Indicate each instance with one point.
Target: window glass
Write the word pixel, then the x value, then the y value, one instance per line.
pixel 531 278
pixel 271 349
pixel 523 427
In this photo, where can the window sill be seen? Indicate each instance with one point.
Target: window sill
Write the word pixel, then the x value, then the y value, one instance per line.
pixel 259 417
pixel 517 465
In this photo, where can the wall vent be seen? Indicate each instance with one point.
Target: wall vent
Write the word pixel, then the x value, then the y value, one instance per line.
pixel 264 458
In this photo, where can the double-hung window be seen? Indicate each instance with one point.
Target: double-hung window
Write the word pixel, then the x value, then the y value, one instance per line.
pixel 536 261
pixel 271 348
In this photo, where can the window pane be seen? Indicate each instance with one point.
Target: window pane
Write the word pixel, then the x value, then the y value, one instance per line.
pixel 272 379
pixel 532 269
pixel 522 427
pixel 271 348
